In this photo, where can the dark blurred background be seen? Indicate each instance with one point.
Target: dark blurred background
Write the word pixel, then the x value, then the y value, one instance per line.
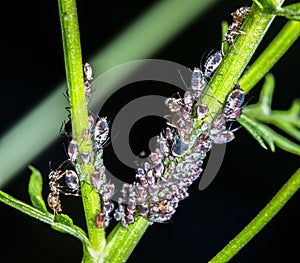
pixel 33 65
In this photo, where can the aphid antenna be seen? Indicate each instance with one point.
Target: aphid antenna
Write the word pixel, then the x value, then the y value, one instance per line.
pixel 236 50
pixel 234 130
pixel 222 48
pixel 50 167
pixel 183 78
pixel 108 142
pixel 201 59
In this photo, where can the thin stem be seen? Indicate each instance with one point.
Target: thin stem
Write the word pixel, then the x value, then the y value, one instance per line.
pixel 122 241
pixel 271 209
pixel 287 36
pixel 79 114
pixel 255 26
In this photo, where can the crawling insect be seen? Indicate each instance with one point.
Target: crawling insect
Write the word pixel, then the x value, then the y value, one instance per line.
pixel 72 183
pixel 234 29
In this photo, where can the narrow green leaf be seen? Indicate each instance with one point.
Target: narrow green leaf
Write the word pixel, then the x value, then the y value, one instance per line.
pixel 35 187
pixel 290 12
pixel 64 225
pixel 250 129
pixel 266 93
pixel 225 45
pixel 62 219
pixel 258 4
pixel 294 112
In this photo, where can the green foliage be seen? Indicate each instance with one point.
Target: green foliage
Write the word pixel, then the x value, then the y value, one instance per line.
pixel 288 121
pixel 35 187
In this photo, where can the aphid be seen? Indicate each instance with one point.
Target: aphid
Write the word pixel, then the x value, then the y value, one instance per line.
pixel 180 147
pixel 129 219
pixel 73 150
pixel 107 191
pixel 91 121
pixel 198 83
pixel 107 207
pixel 223 137
pixel 232 109
pixel 88 90
pixel 201 111
pixel 158 170
pixel 88 71
pixel 181 120
pixel 72 180
pixel 143 209
pixel 234 29
pixel 101 220
pixel 173 104
pixel 212 63
pixel 188 101
pixel 101 132
pixel 85 157
pixel 119 213
pixel 98 180
pixel 169 134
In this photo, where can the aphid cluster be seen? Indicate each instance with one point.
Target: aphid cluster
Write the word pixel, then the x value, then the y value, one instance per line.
pixel 199 77
pixel 66 181
pixel 234 29
pixel 163 180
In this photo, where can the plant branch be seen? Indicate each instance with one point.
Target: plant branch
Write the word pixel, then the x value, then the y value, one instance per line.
pixel 288 121
pixel 283 41
pixel 122 241
pixel 270 210
pixel 79 114
pixel 255 26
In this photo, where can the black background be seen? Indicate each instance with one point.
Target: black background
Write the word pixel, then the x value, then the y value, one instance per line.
pixel 32 65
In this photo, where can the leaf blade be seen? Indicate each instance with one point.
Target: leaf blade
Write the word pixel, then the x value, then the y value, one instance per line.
pixel 35 187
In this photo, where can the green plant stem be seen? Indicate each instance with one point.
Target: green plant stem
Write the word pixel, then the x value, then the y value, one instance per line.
pixel 287 36
pixel 255 26
pixel 122 241
pixel 79 114
pixel 271 209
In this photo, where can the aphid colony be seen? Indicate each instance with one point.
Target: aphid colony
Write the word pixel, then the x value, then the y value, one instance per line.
pixel 66 181
pixel 163 180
